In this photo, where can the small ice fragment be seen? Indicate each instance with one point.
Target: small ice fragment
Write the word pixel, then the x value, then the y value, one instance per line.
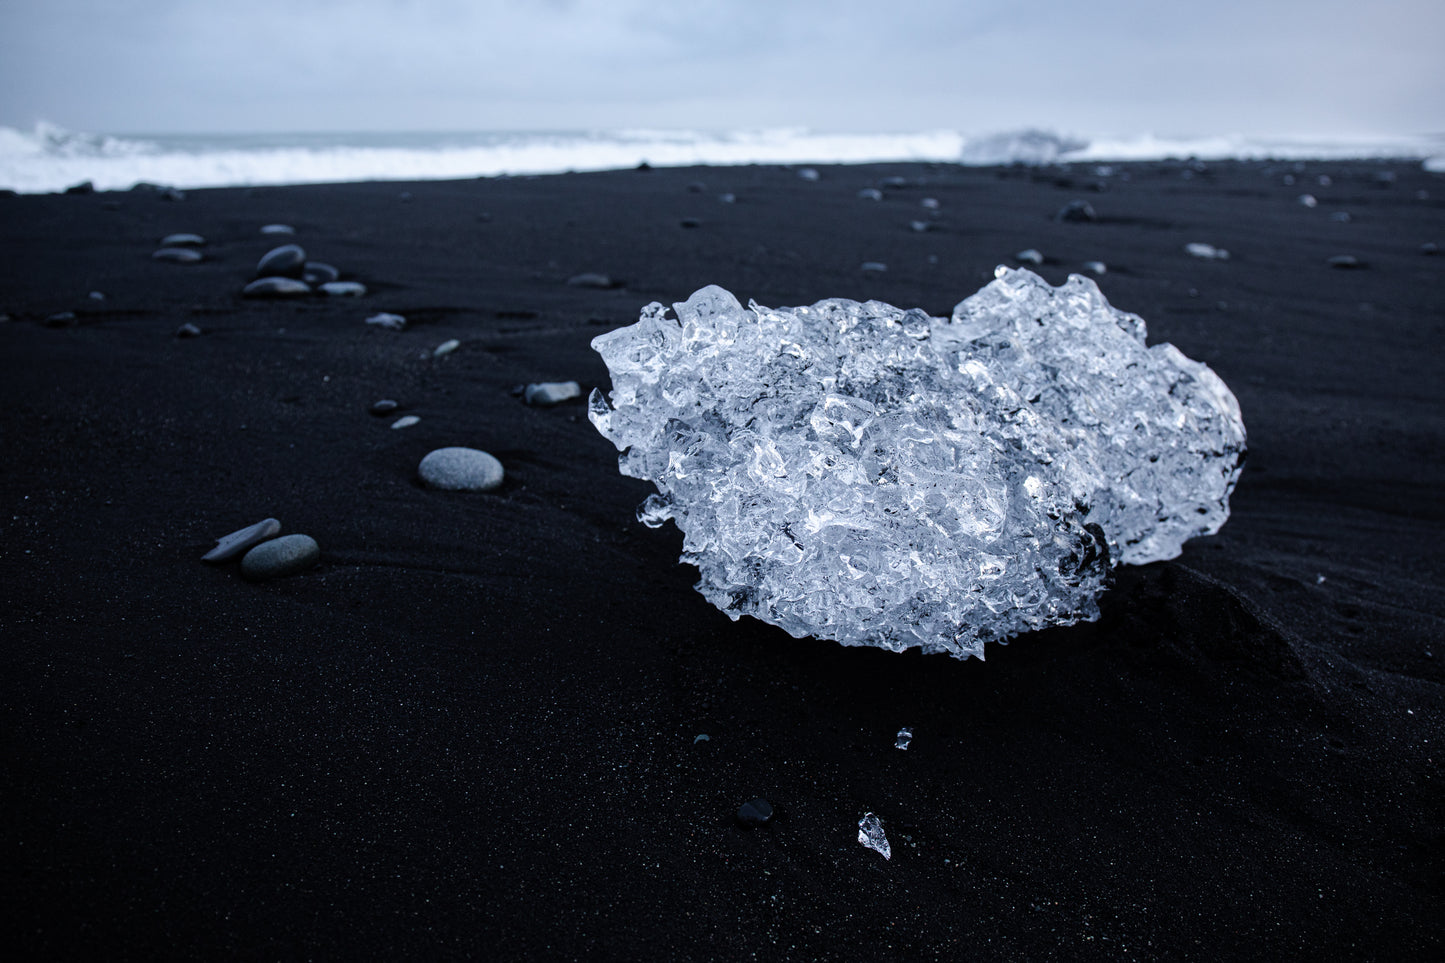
pixel 1029 256
pixel 1319 580
pixel 808 174
pixel 653 511
pixel 391 322
pixel 905 736
pixel 545 394
pixel 96 296
pixel 446 347
pixel 870 834
pixel 870 194
pixel 1308 200
pixel 405 421
pixel 701 737
pixel 1206 251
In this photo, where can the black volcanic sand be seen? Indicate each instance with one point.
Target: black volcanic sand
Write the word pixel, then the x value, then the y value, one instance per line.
pixel 470 732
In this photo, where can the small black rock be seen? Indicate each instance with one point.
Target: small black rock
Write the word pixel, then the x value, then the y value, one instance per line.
pixel 1345 262
pixel 755 812
pixel 60 319
pixel 274 287
pixel 384 407
pixel 1077 212
pixel 591 279
pixel 188 330
pixel 690 222
pixel 1429 247
pixel 84 187
pixel 286 261
pixel 316 272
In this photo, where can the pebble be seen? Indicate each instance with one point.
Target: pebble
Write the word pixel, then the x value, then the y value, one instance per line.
pixel 809 174
pixel 183 240
pixel 171 194
pixel 317 272
pixel 755 812
pixel 96 295
pixel 870 194
pixel 392 322
pixel 1029 256
pixel 1077 212
pixel 590 279
pixel 84 187
pixel 344 289
pixel 1096 267
pixel 1342 217
pixel 1308 200
pixel 232 545
pixel 930 203
pixel 60 319
pixel 178 255
pixel 1345 262
pixel 1430 248
pixel 1206 251
pixel 873 267
pixel 405 421
pixel 690 222
pixel 277 229
pixel 697 187
pixel 920 226
pixel 284 261
pixel 188 330
pixel 728 198
pixel 545 394
pixel 384 407
pixel 276 288
pixel 280 557
pixel 446 347
pixel 460 470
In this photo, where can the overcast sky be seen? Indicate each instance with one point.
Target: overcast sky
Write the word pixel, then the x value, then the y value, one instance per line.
pixel 1261 67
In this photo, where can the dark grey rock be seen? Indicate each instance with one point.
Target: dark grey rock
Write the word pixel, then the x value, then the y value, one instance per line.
pixel 391 322
pixel 1345 262
pixel 317 272
pixel 591 279
pixel 384 407
pixel 84 187
pixel 344 289
pixel 276 288
pixel 280 557
pixel 277 229
pixel 60 319
pixel 172 194
pixel 690 222
pixel 178 255
pixel 461 470
pixel 1030 256
pixel 697 187
pixel 755 812
pixel 286 261
pixel 870 194
pixel 232 545
pixel 1430 248
pixel 1077 212
pixel 183 240
pixel 873 267
pixel 188 330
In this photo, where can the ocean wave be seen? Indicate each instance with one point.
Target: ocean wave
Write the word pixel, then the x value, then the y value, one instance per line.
pixel 51 158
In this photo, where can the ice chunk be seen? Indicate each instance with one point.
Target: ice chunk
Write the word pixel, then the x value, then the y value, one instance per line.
pixel 876 476
pixel 904 737
pixel 870 834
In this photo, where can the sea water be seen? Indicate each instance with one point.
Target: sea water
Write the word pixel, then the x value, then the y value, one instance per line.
pixel 51 158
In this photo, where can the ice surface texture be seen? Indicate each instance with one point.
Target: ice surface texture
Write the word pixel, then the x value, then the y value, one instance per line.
pixel 881 477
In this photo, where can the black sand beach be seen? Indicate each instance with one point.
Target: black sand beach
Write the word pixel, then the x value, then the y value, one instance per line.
pixel 471 731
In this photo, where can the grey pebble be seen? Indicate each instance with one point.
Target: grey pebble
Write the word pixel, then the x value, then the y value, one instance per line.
pixel 446 347
pixel 405 421
pixel 280 557
pixel 1076 212
pixel 384 407
pixel 870 194
pixel 1430 248
pixel 391 322
pixel 60 319
pixel 318 272
pixel 183 240
pixel 590 279
pixel 288 260
pixel 232 545
pixel 276 288
pixel 188 330
pixel 809 174
pixel 1096 267
pixel 460 469
pixel 178 255
pixel 873 267
pixel 1345 262
pixel 278 229
pixel 1029 256
pixel 344 289
pixel 755 812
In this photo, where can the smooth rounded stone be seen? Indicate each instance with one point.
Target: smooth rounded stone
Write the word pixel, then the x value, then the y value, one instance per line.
pixel 183 240
pixel 809 174
pixel 1029 256
pixel 391 322
pixel 288 260
pixel 1343 217
pixel 590 279
pixel 1077 212
pixel 344 289
pixel 446 347
pixel 276 288
pixel 405 421
pixel 96 295
pixel 1429 248
pixel 1345 262
pixel 232 545
pixel 870 194
pixel 755 812
pixel 1206 252
pixel 461 470
pixel 1309 200
pixel 319 272
pixel 697 187
pixel 60 319
pixel 920 227
pixel 1096 267
pixel 690 222
pixel 188 330
pixel 178 255
pixel 873 267
pixel 728 198
pixel 84 187
pixel 929 203
pixel 277 229
pixel 383 407
pixel 545 394
pixel 280 557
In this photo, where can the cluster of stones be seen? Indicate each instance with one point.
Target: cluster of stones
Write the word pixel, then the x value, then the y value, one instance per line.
pixel 286 272
pixel 264 552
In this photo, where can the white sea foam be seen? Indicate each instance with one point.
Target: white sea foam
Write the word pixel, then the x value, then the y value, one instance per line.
pixel 50 158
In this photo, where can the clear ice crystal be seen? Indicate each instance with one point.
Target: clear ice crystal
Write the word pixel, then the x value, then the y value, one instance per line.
pixel 858 472
pixel 870 834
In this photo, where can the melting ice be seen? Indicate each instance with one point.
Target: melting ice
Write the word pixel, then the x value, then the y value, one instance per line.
pixel 859 472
